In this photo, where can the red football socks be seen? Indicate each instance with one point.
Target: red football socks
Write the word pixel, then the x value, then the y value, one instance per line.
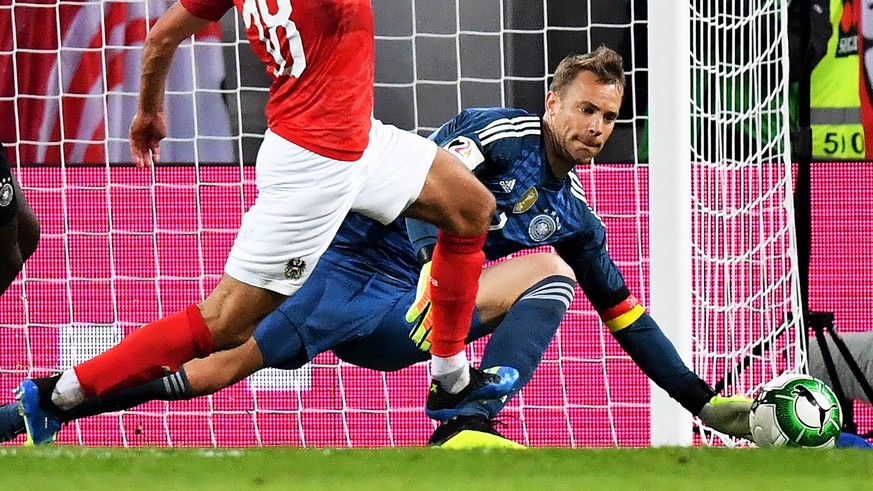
pixel 146 354
pixel 455 270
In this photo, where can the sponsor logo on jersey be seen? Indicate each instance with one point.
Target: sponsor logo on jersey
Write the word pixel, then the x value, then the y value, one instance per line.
pixel 295 268
pixel 466 151
pixel 542 227
pixel 6 192
pixel 507 185
pixel 530 197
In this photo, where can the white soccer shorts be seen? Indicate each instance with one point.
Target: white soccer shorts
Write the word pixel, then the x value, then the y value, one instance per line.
pixel 304 197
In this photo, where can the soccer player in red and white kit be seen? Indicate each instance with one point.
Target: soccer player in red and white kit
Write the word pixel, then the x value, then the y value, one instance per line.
pixel 322 156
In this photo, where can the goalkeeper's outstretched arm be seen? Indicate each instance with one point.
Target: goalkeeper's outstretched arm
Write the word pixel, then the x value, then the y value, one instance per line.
pixel 640 336
pixel 650 349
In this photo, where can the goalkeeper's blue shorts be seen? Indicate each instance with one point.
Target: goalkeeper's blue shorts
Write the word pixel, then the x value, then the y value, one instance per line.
pixel 360 316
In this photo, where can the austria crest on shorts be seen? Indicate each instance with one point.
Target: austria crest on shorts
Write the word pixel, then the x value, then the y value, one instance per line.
pixel 295 268
pixel 6 192
pixel 542 227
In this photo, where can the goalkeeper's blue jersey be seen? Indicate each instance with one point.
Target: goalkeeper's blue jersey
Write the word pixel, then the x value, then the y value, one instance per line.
pixel 351 295
pixel 505 149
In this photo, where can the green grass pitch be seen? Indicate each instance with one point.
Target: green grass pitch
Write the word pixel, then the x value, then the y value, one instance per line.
pixel 56 468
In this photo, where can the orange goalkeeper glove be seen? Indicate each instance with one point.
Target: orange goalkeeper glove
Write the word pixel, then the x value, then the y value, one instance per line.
pixel 419 314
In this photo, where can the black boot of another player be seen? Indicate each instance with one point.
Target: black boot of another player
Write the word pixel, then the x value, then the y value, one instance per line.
pixel 491 383
pixel 470 431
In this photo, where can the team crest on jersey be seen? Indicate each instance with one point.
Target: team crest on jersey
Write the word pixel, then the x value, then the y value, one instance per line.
pixel 527 201
pixel 6 192
pixel 466 151
pixel 295 268
pixel 542 227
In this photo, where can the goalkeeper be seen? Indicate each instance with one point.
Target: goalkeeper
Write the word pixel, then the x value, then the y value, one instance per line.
pixel 357 301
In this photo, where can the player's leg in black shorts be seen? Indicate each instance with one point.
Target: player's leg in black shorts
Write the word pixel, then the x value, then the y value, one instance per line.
pixel 8 198
pixel 19 229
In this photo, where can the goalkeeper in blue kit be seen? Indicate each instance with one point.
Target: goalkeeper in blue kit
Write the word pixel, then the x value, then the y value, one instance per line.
pixel 357 302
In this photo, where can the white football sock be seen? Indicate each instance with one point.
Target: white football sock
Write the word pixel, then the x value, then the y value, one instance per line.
pixel 452 372
pixel 68 392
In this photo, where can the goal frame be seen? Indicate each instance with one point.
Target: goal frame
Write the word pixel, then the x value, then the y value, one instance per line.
pixel 669 38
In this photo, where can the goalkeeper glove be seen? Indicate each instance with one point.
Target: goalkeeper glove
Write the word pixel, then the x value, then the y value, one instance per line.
pixel 728 415
pixel 419 314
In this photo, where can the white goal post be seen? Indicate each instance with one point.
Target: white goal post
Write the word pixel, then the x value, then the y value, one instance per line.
pixel 669 38
pixel 719 140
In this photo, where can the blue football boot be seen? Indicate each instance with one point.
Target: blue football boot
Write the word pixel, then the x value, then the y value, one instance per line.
pixel 491 383
pixel 41 426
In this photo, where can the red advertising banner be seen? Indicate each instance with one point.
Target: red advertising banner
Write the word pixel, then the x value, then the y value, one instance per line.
pixel 121 248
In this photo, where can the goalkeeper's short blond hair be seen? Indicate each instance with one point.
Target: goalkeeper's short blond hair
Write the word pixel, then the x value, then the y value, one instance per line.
pixel 603 62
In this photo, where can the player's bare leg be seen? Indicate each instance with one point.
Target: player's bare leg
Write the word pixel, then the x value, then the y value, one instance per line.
pixel 223 368
pixel 456 202
pixel 196 378
pixel 502 285
pixel 225 319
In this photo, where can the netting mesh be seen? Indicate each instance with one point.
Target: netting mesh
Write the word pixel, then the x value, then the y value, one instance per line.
pixel 121 247
pixel 746 313
pixel 75 301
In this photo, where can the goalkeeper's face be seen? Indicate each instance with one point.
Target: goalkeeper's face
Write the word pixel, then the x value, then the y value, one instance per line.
pixel 582 116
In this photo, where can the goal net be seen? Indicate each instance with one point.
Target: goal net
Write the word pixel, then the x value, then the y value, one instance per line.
pixel 121 247
pixel 746 316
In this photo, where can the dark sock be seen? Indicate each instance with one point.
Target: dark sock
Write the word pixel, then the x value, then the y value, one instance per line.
pixel 172 387
pixel 46 386
pixel 524 335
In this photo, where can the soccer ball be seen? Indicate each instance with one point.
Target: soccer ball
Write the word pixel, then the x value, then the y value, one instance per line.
pixel 796 411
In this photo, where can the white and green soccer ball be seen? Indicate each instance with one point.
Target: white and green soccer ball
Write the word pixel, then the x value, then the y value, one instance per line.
pixel 796 411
